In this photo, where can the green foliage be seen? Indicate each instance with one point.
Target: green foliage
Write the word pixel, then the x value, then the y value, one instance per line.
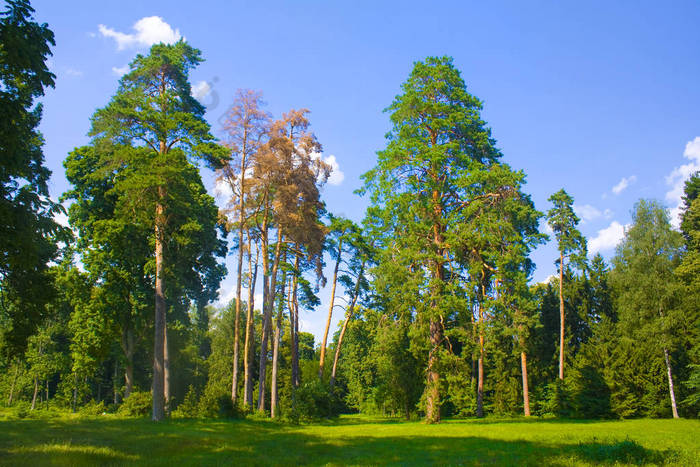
pixel 563 221
pixel 93 408
pixel 557 400
pixel 28 232
pixel 313 400
pixel 189 408
pixel 138 404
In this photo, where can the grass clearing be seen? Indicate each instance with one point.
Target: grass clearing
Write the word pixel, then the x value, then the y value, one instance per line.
pixel 349 440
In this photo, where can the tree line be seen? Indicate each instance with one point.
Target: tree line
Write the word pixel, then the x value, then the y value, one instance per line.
pixel 440 313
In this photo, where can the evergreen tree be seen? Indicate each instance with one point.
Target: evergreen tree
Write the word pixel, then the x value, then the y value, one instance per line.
pixel 154 125
pixel 571 244
pixel 433 191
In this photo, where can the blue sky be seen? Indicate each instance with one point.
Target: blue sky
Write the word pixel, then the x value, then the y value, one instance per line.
pixel 600 98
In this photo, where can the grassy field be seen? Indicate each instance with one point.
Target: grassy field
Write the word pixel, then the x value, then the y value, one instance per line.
pixel 107 440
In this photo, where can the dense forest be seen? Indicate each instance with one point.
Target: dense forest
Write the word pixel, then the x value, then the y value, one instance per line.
pixel 441 315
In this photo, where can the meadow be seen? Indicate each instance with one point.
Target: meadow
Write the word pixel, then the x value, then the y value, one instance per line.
pixel 348 440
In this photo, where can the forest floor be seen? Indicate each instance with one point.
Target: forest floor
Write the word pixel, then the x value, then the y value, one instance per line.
pixel 349 440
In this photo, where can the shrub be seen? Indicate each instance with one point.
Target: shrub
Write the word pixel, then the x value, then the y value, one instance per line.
pixel 189 407
pixel 138 404
pixel 314 400
pixel 93 408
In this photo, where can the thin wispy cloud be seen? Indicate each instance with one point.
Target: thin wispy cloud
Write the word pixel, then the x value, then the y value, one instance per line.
pixel 623 184
pixel 120 71
pixel 147 31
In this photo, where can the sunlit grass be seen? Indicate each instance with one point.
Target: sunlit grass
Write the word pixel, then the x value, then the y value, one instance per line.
pixel 350 440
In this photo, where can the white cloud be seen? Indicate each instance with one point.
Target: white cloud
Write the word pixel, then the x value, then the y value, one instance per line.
pixel 337 176
pixel 623 184
pixel 147 31
pixel 587 212
pixel 120 71
pixel 547 279
pixel 607 238
pixel 201 90
pixel 677 178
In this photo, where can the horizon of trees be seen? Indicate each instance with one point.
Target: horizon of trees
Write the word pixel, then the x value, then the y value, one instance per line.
pixel 441 317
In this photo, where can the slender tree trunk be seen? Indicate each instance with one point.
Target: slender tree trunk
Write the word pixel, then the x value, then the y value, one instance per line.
pixel 159 339
pixel 47 394
pixel 36 391
pixel 526 391
pixel 671 391
pixel 128 348
pixel 166 369
pixel 276 350
pixel 75 393
pixel 239 279
pixel 348 317
pixel 337 348
pixel 322 360
pixel 249 350
pixel 115 378
pixel 14 382
pixel 267 319
pixel 561 316
pixel 294 327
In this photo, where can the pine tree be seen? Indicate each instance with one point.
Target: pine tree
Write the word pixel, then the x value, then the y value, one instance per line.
pixel 153 118
pixel 571 244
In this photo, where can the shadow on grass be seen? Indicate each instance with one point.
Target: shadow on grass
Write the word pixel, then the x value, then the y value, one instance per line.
pixel 244 442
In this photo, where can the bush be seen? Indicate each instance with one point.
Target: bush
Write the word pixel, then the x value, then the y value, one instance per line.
pixel 314 400
pixel 138 404
pixel 214 404
pixel 189 407
pixel 93 408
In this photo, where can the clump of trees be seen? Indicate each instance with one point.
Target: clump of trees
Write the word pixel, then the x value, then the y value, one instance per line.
pixel 440 315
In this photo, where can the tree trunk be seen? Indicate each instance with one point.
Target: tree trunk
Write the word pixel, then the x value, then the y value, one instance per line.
pixel 276 349
pixel 267 318
pixel 480 380
pixel 249 350
pixel 158 342
pixel 432 400
pixel 47 394
pixel 115 378
pixel 128 347
pixel 239 279
pixel 561 316
pixel 526 391
pixel 322 360
pixel 75 393
pixel 338 346
pixel 14 382
pixel 294 328
pixel 166 369
pixel 36 391
pixel 348 317
pixel 671 391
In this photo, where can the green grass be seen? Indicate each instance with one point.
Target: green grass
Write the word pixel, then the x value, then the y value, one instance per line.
pixel 107 440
